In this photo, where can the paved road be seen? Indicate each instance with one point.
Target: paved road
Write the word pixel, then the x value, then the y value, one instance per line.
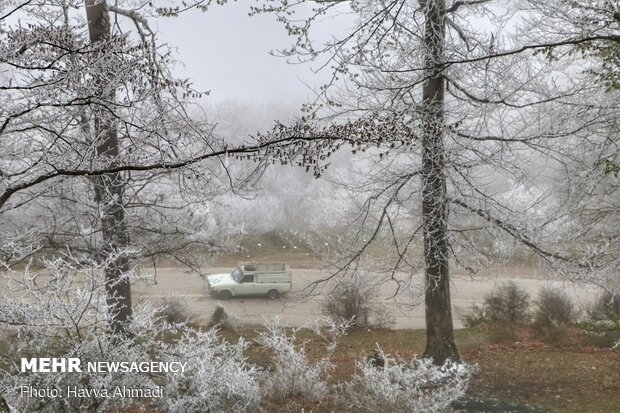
pixel 297 309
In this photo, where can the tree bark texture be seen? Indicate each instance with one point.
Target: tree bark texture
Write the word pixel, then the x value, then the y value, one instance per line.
pixel 109 188
pixel 440 344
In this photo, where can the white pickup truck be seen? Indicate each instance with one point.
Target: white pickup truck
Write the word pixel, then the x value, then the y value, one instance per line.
pixel 270 279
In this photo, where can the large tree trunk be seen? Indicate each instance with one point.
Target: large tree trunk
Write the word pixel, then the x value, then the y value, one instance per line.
pixel 109 188
pixel 439 330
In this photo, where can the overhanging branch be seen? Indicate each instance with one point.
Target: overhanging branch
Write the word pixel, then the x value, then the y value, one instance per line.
pixel 61 172
pixel 511 230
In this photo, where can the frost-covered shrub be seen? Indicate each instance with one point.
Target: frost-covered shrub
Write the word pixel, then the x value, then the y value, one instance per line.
pixel 293 374
pixel 602 322
pixel 61 311
pixel 174 311
pixel 218 379
pixel 602 333
pixel 507 302
pixel 553 312
pixel 475 316
pixel 354 298
pixel 554 308
pixel 605 307
pixel 418 386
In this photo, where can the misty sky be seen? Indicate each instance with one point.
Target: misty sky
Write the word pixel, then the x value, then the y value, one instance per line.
pixel 227 52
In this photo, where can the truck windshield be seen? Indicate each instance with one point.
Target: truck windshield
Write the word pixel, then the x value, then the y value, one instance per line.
pixel 237 274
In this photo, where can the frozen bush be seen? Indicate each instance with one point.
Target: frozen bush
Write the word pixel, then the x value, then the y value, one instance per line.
pixel 554 308
pixel 507 302
pixel 602 322
pixel 475 316
pixel 293 374
pixel 418 386
pixel 602 333
pixel 61 311
pixel 218 379
pixel 354 298
pixel 174 311
pixel 605 307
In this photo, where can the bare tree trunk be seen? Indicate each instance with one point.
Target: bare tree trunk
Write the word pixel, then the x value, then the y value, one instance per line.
pixel 439 330
pixel 109 188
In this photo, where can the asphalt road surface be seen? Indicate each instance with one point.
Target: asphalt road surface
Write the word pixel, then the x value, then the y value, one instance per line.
pixel 298 307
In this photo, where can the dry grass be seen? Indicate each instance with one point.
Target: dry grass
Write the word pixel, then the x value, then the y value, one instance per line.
pixel 573 378
pixel 270 246
pixel 520 367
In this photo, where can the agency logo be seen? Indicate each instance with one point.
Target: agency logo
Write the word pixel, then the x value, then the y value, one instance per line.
pixel 51 365
pixel 72 364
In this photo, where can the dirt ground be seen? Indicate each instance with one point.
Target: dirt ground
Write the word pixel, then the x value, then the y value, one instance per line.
pixel 300 307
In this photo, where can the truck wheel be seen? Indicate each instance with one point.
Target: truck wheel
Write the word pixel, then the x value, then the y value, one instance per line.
pixel 273 294
pixel 224 295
